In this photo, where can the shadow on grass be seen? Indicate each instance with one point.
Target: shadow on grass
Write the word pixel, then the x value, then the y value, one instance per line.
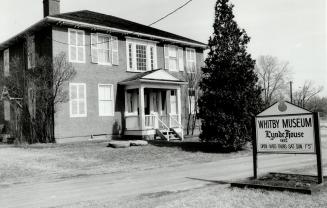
pixel 193 146
pixel 210 181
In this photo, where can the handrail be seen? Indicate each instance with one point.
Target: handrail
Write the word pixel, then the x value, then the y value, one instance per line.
pixel 164 125
pixel 179 124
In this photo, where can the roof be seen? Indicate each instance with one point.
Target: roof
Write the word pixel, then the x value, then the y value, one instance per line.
pixel 159 75
pixel 94 20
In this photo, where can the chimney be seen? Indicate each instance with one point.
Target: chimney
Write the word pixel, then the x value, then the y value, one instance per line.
pixel 51 7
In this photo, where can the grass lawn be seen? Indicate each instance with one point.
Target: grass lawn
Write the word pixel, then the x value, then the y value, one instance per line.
pixel 53 161
pixel 214 196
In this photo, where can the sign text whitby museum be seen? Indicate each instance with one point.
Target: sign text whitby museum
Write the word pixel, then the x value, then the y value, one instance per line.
pixel 292 133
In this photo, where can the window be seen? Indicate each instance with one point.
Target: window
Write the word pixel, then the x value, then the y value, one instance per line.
pixel 174 58
pixel 76 40
pixel 77 98
pixel 30 52
pixel 106 103
pixel 6 62
pixel 141 55
pixel 190 60
pixel 104 49
pixel 191 100
pixel 6 107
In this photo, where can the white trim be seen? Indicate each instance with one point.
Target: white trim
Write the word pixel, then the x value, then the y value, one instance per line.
pixel 69 45
pixel 112 113
pixel 124 31
pixel 192 50
pixel 110 49
pixel 85 100
pixel 148 45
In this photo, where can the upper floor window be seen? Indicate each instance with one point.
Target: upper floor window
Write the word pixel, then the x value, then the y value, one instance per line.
pixel 77 99
pixel 141 55
pixel 174 58
pixel 30 52
pixel 190 60
pixel 76 39
pixel 6 62
pixel 104 49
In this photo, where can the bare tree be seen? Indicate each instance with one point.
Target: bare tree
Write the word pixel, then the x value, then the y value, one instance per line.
pixel 273 76
pixel 192 90
pixel 318 104
pixel 37 92
pixel 305 93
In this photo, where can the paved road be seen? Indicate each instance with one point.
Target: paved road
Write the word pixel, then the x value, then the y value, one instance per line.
pixel 108 187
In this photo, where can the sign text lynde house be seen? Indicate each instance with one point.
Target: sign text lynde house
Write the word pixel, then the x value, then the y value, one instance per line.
pixel 291 134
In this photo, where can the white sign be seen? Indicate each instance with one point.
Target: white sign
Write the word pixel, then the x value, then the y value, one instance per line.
pixel 287 134
pixel 285 128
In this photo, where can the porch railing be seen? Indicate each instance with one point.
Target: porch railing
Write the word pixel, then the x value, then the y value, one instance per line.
pixel 174 122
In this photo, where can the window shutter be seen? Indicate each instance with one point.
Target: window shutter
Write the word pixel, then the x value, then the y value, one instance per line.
pixel 94 47
pixel 166 57
pixel 115 57
pixel 180 59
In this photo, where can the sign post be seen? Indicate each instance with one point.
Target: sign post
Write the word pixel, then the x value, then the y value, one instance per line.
pixel 284 128
pixel 318 148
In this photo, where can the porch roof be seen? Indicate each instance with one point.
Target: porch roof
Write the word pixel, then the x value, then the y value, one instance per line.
pixel 156 76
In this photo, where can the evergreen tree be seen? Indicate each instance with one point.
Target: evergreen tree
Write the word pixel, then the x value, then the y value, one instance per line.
pixel 231 95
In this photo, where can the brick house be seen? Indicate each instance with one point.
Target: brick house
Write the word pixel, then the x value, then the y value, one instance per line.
pixel 129 76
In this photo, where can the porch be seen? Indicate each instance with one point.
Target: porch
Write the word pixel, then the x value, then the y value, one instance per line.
pixel 153 105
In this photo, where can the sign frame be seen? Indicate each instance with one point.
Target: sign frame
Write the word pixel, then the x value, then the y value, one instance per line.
pixel 316 137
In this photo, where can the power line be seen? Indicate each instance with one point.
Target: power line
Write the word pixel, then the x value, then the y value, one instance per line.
pixel 153 23
pixel 167 15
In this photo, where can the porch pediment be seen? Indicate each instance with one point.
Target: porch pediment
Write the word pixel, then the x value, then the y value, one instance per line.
pixel 156 76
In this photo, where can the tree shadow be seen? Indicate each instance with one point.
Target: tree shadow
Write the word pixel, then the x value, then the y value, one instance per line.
pixel 192 146
pixel 210 181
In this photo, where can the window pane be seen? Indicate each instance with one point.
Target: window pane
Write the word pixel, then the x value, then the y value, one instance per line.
pixel 130 55
pixel 172 52
pixel 73 92
pixel 74 107
pixel 73 53
pixel 141 57
pixel 152 57
pixel 80 53
pixel 81 107
pixel 172 64
pixel 72 40
pixel 80 38
pixel 81 92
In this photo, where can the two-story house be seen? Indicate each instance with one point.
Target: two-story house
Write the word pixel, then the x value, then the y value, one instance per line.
pixel 129 76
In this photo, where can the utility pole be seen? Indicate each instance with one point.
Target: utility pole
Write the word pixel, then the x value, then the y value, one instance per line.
pixel 291 91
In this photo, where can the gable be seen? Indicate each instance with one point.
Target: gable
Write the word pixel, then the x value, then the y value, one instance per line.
pixel 283 108
pixel 160 75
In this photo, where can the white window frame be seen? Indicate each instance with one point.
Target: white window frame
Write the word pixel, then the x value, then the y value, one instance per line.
pixel 70 101
pixel 109 63
pixel 112 113
pixel 172 47
pixel 6 62
pixel 75 45
pixel 191 109
pixel 148 44
pixel 188 61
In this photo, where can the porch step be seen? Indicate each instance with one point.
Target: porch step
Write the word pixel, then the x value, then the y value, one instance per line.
pixel 170 135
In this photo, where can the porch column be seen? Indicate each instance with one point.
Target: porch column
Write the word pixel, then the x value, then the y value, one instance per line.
pixel 179 105
pixel 141 107
pixel 126 101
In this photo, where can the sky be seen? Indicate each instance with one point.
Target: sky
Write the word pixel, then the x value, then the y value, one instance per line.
pixel 291 30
